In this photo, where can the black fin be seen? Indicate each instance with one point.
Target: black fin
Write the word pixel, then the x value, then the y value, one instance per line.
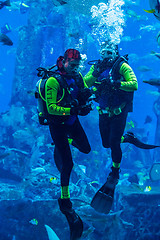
pixel 103 199
pixel 74 221
pixel 129 137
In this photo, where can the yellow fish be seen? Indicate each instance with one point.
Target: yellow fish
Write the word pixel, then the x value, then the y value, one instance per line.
pixel 52 178
pixel 155 8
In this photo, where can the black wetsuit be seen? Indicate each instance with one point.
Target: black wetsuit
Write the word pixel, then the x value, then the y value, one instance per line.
pixel 60 134
pixel 111 130
pixel 114 105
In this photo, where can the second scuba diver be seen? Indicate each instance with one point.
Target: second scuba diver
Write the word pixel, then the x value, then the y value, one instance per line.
pixel 114 84
pixel 64 98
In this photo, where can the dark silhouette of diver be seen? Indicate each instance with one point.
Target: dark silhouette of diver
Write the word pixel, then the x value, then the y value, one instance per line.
pixel 64 96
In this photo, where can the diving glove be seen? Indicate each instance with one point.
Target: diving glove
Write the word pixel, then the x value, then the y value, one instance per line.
pixel 99 67
pixel 113 84
pixel 81 110
pixel 84 95
pixel 110 84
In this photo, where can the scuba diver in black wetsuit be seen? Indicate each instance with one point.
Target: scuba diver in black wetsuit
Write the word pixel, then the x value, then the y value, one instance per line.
pixel 64 98
pixel 114 83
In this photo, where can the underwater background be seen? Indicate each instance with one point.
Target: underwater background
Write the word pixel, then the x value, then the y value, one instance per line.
pixel 41 31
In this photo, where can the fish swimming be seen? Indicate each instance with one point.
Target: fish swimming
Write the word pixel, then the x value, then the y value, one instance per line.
pixel 153 81
pixel 129 137
pixel 144 68
pixel 155 54
pixel 23 8
pixel 5 40
pixel 59 2
pixel 6 29
pixel 158 38
pixel 51 234
pixel 5 3
pixel 155 8
pixel 148 119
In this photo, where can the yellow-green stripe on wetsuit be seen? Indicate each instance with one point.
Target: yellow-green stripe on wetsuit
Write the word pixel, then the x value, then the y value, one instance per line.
pixel 129 85
pixel 51 91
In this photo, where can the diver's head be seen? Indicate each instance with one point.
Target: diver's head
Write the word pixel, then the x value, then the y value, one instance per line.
pixel 109 51
pixel 71 61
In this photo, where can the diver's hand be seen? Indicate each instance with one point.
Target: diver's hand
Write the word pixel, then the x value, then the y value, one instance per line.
pixel 115 84
pixel 99 67
pixel 84 95
pixel 81 110
pixel 111 84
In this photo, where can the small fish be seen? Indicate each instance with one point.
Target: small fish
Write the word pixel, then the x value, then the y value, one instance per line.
pixel 52 179
pixel 59 2
pixel 154 93
pixel 5 3
pixel 131 13
pixel 62 2
pixel 153 81
pixel 75 35
pixel 155 54
pixel 94 183
pixel 6 29
pixel 147 189
pixel 34 222
pixel 129 39
pixel 144 68
pixel 5 40
pixel 23 8
pixel 158 38
pixel 155 8
pixel 83 168
pixel 148 120
pixel 147 28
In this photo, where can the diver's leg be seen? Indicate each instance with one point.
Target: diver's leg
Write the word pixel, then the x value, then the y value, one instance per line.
pixel 113 128
pixel 79 137
pixel 118 123
pixel 104 128
pixel 59 136
pixel 117 129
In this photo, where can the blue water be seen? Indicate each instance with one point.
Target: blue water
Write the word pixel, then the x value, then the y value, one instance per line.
pixel 143 101
pixel 7 60
pixel 139 54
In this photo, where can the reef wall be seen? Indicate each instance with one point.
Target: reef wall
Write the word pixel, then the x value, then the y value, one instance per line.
pixel 156 109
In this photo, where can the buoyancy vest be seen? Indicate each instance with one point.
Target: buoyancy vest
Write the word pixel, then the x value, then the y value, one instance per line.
pixel 66 96
pixel 114 98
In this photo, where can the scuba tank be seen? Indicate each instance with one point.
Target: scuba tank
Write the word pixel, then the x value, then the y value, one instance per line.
pixel 44 73
pixel 41 108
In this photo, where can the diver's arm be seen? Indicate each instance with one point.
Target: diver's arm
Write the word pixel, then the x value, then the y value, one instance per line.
pixel 131 83
pixel 51 89
pixel 85 85
pixel 88 78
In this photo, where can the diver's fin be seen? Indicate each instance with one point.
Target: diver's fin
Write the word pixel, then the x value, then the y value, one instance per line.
pixel 74 221
pixel 51 234
pixel 129 137
pixel 149 11
pixel 103 199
